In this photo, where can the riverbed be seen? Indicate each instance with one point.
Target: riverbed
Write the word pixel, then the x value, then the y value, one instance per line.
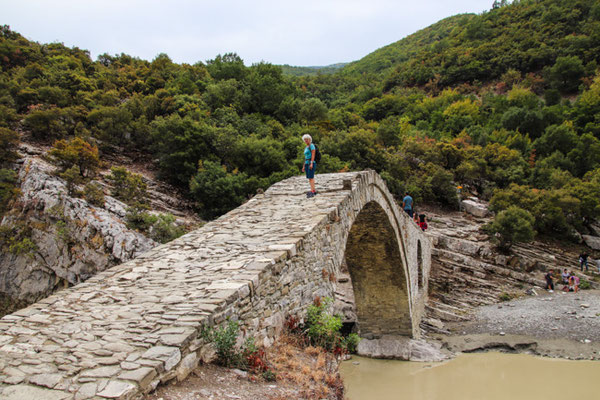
pixel 476 376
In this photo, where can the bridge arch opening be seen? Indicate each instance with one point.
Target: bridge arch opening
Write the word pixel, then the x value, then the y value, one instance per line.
pixel 378 275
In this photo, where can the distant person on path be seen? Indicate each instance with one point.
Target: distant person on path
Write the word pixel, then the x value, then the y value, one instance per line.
pixel 310 164
pixel 549 281
pixel 583 261
pixel 407 204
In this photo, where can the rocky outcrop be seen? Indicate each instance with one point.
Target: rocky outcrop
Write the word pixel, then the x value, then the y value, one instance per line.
pixel 72 240
pixel 468 272
pixel 593 242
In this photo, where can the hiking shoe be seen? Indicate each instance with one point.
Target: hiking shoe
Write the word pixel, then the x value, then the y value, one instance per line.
pixel 309 195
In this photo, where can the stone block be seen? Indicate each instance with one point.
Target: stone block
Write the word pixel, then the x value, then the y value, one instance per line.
pixel 142 376
pixel 118 390
pixel 101 372
pixel 47 380
pixel 187 365
pixel 169 355
pixel 23 392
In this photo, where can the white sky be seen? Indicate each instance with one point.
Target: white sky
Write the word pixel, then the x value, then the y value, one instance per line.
pixel 302 32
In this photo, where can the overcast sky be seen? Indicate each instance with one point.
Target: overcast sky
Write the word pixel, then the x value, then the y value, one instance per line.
pixel 301 32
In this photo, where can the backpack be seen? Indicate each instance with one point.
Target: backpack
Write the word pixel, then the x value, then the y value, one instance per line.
pixel 317 154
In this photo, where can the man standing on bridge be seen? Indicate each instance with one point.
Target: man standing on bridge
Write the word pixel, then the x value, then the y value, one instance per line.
pixel 310 165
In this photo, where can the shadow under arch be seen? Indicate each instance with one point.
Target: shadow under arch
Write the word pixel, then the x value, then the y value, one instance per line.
pixel 378 275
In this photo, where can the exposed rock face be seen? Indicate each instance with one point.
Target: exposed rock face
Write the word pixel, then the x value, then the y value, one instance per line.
pixel 468 272
pixel 73 239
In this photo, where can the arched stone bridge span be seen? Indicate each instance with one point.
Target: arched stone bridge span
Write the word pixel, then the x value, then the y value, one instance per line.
pixel 125 330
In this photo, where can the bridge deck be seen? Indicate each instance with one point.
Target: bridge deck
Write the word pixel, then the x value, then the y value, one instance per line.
pixel 121 332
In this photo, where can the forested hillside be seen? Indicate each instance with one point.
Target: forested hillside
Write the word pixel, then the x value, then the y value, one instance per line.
pixel 505 104
pixel 306 71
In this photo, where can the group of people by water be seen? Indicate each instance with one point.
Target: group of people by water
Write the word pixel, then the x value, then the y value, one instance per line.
pixel 569 280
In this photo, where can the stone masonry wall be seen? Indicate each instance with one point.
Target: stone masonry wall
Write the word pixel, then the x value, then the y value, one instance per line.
pixel 122 332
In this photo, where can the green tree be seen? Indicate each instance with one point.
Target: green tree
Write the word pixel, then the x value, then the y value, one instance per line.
pixel 76 152
pixel 8 189
pixel 72 177
pixel 216 190
pixel 556 138
pixel 511 226
pixel 227 66
pixel 45 123
pixel 566 74
pixel 8 144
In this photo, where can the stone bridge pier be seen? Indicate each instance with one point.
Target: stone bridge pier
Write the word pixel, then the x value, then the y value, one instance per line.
pixel 127 329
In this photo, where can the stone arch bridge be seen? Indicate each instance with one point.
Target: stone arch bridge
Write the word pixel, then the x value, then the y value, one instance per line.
pixel 122 332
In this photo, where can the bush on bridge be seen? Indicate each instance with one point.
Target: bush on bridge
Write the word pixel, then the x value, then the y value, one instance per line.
pixel 323 329
pixel 246 357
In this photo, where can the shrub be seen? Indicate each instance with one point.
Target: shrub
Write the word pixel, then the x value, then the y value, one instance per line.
pixel 225 339
pixel 511 226
pixel 128 187
pixel 350 342
pixel 16 240
pixel 161 227
pixel 247 356
pixel 585 284
pixel 165 229
pixel 8 189
pixel 93 194
pixel 505 297
pixel 72 177
pixel 8 143
pixel 322 328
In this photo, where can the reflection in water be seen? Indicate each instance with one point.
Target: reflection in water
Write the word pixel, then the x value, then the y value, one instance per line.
pixel 483 376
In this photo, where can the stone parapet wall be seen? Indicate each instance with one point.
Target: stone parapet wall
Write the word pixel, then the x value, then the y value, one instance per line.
pixel 122 332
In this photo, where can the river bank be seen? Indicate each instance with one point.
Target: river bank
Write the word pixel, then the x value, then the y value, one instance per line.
pixel 301 372
pixel 558 324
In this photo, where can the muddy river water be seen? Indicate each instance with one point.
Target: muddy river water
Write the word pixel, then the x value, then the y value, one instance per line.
pixel 481 376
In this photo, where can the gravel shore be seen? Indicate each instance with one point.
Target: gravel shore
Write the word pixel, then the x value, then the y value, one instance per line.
pixel 553 324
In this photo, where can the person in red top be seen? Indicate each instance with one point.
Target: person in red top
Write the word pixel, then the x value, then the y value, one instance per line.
pixel 423 222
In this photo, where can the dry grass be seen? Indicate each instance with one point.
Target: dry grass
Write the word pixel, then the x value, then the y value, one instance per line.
pixel 311 368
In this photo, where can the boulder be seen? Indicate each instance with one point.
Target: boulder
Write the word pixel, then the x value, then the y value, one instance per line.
pixel 475 208
pixel 592 242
